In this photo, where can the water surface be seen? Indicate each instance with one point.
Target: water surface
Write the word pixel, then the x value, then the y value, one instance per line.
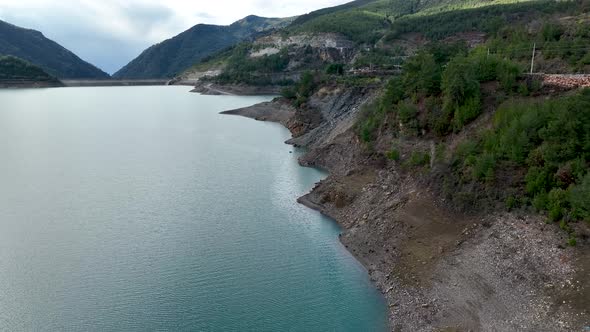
pixel 143 209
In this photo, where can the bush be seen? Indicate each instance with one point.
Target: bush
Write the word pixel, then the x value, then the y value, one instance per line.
pixel 466 112
pixel 394 93
pixel 288 93
pixel 550 142
pixel 393 155
pixel 335 69
pixel 369 121
pixel 418 158
pixel 507 74
pixel 512 202
pixel 422 75
pixel 461 91
pixel 572 242
pixel 557 203
pixel 407 114
pixel 580 199
pixel 541 201
pixel 538 180
pixel 484 167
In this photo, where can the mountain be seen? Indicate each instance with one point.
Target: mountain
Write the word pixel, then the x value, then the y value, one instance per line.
pixel 454 172
pixel 15 73
pixel 166 59
pixel 32 46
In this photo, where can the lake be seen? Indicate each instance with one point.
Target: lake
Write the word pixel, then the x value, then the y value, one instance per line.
pixel 143 209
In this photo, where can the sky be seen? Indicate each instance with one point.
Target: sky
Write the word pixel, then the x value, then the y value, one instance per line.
pixel 110 33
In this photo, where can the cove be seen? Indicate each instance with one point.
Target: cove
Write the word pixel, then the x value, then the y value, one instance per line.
pixel 143 209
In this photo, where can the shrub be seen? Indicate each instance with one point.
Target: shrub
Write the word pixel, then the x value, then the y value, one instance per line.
pixel 580 199
pixel 335 69
pixel 461 89
pixel 369 121
pixel 466 112
pixel 393 154
pixel 507 74
pixel 540 201
pixel 572 242
pixel 407 114
pixel 484 167
pixel 557 203
pixel 466 149
pixel 289 93
pixel 551 32
pixel 511 202
pixel 418 158
pixel 538 180
pixel 422 75
pixel 394 93
pixel 304 88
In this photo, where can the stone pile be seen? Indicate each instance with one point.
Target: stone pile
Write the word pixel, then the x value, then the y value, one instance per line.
pixel 567 81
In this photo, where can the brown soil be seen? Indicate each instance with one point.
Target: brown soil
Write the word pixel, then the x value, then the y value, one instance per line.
pixel 439 269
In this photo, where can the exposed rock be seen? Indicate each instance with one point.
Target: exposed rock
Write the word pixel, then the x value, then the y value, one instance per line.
pixel 438 269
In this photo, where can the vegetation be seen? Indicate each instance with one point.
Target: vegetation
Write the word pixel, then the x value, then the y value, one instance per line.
pixel 550 142
pixel 436 84
pixel 358 25
pixel 367 21
pixel 536 154
pixel 32 46
pixel 13 68
pixel 242 68
pixel 380 58
pixel 300 92
pixel 480 17
pixel 448 80
pixel 175 55
pixel 509 32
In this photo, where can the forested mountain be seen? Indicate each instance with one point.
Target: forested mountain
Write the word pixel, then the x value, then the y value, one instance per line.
pixel 171 57
pixel 15 69
pixel 35 48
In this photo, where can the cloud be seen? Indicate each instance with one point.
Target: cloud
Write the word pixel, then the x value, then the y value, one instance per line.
pixel 109 33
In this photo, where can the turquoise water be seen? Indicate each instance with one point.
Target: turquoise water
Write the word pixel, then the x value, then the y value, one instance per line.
pixel 143 209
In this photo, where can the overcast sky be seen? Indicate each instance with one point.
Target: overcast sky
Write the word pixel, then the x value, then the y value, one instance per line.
pixel 109 33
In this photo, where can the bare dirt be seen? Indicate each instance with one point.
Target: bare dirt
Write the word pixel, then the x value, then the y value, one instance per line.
pixel 439 269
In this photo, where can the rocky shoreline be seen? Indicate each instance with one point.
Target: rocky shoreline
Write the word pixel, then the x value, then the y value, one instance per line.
pixel 439 270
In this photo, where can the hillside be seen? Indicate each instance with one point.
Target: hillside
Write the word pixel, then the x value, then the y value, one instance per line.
pixel 170 57
pixel 460 180
pixel 15 72
pixel 33 47
pixel 377 36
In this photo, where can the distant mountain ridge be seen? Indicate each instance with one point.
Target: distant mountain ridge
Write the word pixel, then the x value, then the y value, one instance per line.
pixel 34 47
pixel 173 56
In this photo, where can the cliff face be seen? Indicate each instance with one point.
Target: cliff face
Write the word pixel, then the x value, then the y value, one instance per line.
pixel 173 56
pixel 274 60
pixel 439 269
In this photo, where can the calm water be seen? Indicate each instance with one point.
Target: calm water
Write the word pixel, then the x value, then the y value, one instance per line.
pixel 142 209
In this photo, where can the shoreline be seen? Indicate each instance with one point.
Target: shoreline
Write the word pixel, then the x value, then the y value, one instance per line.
pixel 437 269
pixel 107 83
pixel 234 90
pixel 25 84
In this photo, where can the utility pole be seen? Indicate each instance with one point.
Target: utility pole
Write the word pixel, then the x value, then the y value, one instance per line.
pixel 533 58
